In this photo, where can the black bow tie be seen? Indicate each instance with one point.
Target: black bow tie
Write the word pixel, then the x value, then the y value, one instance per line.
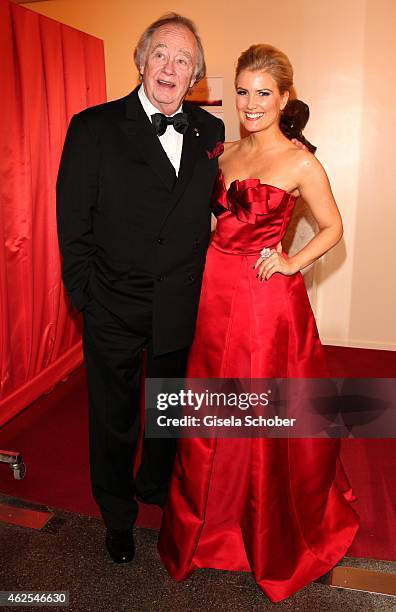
pixel 161 122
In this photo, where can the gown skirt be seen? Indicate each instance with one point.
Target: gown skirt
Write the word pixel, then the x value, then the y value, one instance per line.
pixel 277 507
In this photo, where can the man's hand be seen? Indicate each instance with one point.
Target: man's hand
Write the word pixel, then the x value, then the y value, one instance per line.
pixel 299 144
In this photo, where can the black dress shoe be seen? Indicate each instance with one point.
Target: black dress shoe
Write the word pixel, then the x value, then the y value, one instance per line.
pixel 120 545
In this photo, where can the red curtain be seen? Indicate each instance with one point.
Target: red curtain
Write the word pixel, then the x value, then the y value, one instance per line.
pixel 49 71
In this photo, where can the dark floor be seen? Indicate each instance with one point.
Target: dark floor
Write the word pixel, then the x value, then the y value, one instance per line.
pixel 68 555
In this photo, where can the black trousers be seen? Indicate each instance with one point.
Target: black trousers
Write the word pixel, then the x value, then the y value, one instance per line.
pixel 113 358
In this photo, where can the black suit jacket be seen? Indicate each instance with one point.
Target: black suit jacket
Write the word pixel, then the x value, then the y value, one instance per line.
pixel 130 233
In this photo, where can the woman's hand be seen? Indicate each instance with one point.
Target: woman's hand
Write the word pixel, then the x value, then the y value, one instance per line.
pixel 213 223
pixel 276 262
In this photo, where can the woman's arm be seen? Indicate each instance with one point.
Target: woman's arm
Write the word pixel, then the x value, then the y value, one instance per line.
pixel 314 188
pixel 213 222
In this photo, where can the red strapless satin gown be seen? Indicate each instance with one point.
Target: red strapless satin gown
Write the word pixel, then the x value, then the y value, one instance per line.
pixel 279 508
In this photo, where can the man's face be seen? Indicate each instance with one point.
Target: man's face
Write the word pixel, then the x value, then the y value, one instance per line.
pixel 169 67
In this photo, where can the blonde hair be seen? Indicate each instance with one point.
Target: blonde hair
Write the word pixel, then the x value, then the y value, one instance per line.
pixel 170 19
pixel 267 59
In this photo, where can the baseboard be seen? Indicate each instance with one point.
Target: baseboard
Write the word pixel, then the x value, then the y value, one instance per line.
pixel 366 344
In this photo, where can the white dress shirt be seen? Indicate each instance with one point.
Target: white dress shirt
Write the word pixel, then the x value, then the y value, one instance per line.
pixel 171 140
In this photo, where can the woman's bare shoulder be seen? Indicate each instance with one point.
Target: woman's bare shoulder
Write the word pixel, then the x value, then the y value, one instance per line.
pixel 229 149
pixel 302 159
pixel 308 169
pixel 228 146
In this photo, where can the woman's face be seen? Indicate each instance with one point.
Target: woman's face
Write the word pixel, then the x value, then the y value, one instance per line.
pixel 258 100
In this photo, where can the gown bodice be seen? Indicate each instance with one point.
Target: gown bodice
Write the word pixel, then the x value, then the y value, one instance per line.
pixel 250 215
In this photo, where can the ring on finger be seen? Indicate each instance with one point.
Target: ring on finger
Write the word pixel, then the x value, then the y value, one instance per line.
pixel 265 253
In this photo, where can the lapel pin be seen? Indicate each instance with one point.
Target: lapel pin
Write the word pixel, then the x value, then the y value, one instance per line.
pixel 196 132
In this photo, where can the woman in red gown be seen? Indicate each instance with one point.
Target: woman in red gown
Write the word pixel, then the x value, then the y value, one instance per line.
pixel 276 507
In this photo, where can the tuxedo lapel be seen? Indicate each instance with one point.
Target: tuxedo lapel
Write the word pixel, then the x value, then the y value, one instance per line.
pixel 139 128
pixel 190 151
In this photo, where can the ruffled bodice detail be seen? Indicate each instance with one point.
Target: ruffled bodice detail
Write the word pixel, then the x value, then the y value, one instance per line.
pixel 251 215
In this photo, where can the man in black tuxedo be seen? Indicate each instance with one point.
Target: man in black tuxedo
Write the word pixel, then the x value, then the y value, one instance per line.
pixel 133 205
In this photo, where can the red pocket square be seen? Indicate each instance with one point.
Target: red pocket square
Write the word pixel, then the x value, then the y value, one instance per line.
pixel 218 150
